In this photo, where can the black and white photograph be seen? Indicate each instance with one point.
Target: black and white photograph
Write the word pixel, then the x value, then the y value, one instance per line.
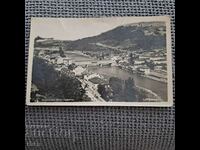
pixel 110 61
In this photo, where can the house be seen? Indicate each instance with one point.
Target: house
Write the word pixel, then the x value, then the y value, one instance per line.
pixel 123 63
pixel 139 62
pixel 159 74
pixel 133 68
pixel 157 58
pixel 79 70
pixel 158 67
pixel 58 68
pixel 47 57
pixel 67 72
pixel 59 60
pixel 158 62
pixel 93 75
pixel 41 53
pixel 145 70
pixel 114 58
pixel 67 61
pixel 52 60
pixel 63 60
pixel 143 57
pixel 54 56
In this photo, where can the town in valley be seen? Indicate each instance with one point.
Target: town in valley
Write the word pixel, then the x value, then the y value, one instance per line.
pixel 99 69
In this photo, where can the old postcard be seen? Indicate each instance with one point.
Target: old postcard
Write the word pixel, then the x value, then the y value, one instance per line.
pixel 114 61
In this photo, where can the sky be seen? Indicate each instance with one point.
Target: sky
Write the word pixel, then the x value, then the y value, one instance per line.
pixel 74 28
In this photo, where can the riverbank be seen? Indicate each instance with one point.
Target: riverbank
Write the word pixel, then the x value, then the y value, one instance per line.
pixel 155 78
pixel 143 75
pixel 151 95
pixel 160 88
pixel 156 97
pixel 91 91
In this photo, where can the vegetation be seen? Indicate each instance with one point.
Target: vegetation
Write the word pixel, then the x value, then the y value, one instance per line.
pixel 97 80
pixel 105 91
pixel 130 90
pixel 129 37
pixel 121 90
pixel 150 65
pixel 72 66
pixel 131 59
pixel 53 85
pixel 61 52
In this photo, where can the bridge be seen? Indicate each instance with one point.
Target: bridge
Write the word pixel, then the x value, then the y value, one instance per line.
pixel 89 61
pixel 94 62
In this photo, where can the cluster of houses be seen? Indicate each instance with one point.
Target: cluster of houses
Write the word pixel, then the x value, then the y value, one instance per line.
pixel 61 64
pixel 55 58
pixel 152 64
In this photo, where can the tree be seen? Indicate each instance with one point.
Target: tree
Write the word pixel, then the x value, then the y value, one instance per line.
pixel 71 88
pixel 150 64
pixel 53 85
pixel 131 58
pixel 34 91
pixel 101 90
pixel 35 41
pixel 61 52
pixel 72 66
pixel 117 61
pixel 103 55
pixel 105 91
pixel 130 91
pixel 116 85
pixel 37 38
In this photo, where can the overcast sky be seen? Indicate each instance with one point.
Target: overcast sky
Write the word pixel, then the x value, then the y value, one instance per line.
pixel 73 29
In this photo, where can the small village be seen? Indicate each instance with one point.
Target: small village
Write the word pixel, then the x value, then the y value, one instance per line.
pixel 149 64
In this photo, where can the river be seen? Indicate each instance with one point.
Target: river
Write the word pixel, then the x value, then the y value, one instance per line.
pixel 157 87
pixel 77 56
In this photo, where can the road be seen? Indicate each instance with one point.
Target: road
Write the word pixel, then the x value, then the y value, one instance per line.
pixel 91 91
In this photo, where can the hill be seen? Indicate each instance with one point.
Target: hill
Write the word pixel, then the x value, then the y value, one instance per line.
pixel 134 36
pixel 144 36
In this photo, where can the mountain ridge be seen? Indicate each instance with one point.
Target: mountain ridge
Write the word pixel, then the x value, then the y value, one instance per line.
pixel 133 36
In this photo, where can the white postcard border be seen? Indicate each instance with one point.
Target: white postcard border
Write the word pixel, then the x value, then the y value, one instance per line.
pixel 169 103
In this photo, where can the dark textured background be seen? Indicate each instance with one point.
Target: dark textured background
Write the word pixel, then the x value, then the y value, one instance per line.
pixel 99 128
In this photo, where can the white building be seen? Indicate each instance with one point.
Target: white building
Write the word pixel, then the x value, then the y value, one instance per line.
pixel 159 74
pixel 87 77
pixel 67 61
pixel 53 60
pixel 157 58
pixel 139 62
pixel 133 68
pixel 123 61
pixel 143 57
pixel 47 57
pixel 158 67
pixel 79 70
pixel 63 60
pixel 114 58
pixel 41 54
pixel 146 70
pixel 157 62
pixel 59 60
